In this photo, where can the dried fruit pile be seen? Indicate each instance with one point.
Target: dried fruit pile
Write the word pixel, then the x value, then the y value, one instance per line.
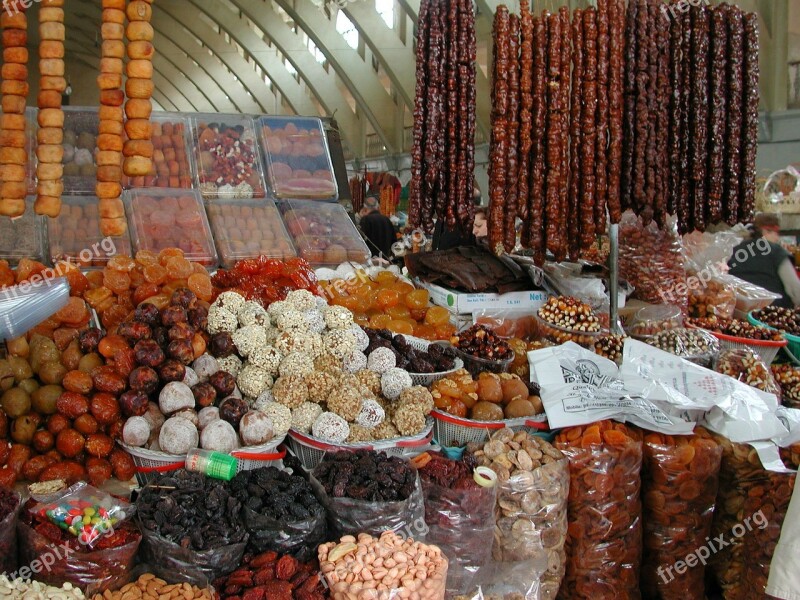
pixel 489 397
pixel 784 319
pixel 736 328
pixel 605 526
pixel 788 377
pixel 679 489
pixel 228 162
pixel 366 475
pixel 384 301
pixel 266 280
pixel 267 576
pixel 191 510
pixel 60 411
pixel 746 366
pixel 436 358
pixel 150 586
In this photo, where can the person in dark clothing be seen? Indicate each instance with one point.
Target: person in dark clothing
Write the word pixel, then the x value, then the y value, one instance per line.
pixel 444 238
pixel 764 262
pixel 378 229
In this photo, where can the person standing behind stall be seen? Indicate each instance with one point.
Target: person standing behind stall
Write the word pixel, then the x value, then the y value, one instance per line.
pixel 762 261
pixel 377 229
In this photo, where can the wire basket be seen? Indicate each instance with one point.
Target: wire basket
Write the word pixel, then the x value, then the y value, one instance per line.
pixel 450 430
pixel 427 379
pixel 310 450
pixel 151 463
pixel 766 350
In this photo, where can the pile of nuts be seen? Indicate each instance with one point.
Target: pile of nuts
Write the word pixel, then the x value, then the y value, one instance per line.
pixel 610 346
pixel 531 509
pixel 266 576
pixel 383 568
pixel 25 589
pixel 713 299
pixel 746 366
pixel 481 342
pixel 569 313
pixel 687 343
pixel 788 377
pixel 785 319
pixel 149 587
pixel 736 328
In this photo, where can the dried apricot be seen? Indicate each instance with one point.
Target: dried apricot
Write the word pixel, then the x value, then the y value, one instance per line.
pixel 200 284
pixel 179 268
pixel 116 281
pixel 121 262
pixel 74 313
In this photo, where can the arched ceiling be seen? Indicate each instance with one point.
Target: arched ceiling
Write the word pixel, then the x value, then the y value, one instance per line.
pixel 255 56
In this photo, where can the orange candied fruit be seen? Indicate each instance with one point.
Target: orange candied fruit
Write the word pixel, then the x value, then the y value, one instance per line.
pixel 403 326
pixel 200 284
pixel 178 267
pixel 387 298
pixel 146 257
pixel 121 262
pixel 380 321
pixel 385 277
pixel 417 299
pixel 437 315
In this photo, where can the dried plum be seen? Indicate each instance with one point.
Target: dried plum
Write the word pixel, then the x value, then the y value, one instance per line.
pixel 366 475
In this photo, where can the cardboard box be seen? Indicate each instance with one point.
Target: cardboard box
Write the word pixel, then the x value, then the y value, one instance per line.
pixel 461 303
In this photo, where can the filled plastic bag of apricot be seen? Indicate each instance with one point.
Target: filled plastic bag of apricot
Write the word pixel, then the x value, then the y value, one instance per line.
pixel 94 571
pixel 604 541
pixel 460 522
pixel 679 488
pixel 348 516
pixel 8 537
pixel 751 506
pixel 196 567
pixel 528 555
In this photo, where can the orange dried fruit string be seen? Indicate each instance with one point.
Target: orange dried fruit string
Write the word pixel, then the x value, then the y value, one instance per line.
pixel 604 538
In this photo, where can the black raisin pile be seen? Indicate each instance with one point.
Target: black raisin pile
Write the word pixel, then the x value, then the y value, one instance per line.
pixel 192 510
pixel 366 475
pixel 276 494
pixel 436 359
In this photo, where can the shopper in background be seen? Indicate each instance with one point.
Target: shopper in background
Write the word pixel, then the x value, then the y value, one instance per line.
pixel 377 228
pixel 480 229
pixel 761 260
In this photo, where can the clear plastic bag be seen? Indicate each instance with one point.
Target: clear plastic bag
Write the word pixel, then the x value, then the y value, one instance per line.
pixel 604 543
pixel 196 567
pixel 788 378
pixel 695 345
pixel 751 506
pixel 347 516
pixel 94 571
pixel 746 366
pixel 679 489
pixel 651 259
pixel 8 532
pixel 710 298
pixel 508 323
pixel 460 521
pixel 298 538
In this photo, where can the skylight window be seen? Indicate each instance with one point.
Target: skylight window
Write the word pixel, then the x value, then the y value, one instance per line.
pixel 347 30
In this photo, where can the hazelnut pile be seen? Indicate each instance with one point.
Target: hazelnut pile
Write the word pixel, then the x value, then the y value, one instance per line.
pixel 482 342
pixel 686 343
pixel 610 346
pixel 736 328
pixel 788 378
pixel 743 364
pixel 785 319
pixel 569 313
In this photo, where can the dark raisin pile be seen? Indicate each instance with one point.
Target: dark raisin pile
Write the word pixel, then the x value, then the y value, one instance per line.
pixel 366 475
pixel 276 494
pixel 436 359
pixel 192 510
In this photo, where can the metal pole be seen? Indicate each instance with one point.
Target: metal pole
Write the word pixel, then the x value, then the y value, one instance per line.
pixel 613 284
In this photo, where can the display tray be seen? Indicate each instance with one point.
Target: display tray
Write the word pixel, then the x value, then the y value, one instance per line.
pixel 22 237
pixel 31 127
pixel 161 218
pixel 297 159
pixel 227 156
pixel 248 229
pixel 323 233
pixel 74 235
pixel 80 143
pixel 172 154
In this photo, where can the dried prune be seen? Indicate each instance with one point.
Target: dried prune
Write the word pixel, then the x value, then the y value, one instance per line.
pixel 366 475
pixel 134 331
pixel 133 403
pixel 148 353
pixel 147 313
pixel 143 379
pixel 172 370
pixel 171 315
pixel 181 350
pixel 184 297
pixel 180 331
pixel 198 317
pixel 221 345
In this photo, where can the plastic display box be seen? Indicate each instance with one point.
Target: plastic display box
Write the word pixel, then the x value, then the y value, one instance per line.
pixel 22 237
pixel 161 218
pixel 227 157
pixel 323 233
pixel 297 158
pixel 80 142
pixel 247 229
pixel 75 235
pixel 172 154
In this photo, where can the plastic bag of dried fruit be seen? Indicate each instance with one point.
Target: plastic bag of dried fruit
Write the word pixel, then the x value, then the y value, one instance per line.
pixel 9 509
pixel 507 323
pixel 751 507
pixel 788 377
pixel 746 366
pixel 604 543
pixel 348 516
pixel 679 489
pixel 651 260
pixel 528 558
pixel 459 514
pixel 710 297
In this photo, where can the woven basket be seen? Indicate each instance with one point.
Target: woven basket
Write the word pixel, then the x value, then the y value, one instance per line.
pixel 450 430
pixel 310 450
pixel 150 463
pixel 427 379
